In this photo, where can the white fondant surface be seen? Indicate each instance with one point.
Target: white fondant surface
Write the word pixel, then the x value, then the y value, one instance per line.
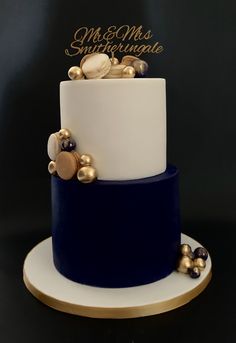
pixel 59 292
pixel 120 122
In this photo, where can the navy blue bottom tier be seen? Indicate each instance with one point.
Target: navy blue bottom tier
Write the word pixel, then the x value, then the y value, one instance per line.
pixel 116 233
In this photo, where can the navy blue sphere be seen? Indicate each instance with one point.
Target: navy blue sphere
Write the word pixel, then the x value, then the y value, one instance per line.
pixel 194 273
pixel 68 144
pixel 201 252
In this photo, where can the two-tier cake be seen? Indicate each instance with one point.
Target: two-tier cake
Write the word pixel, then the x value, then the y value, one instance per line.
pixel 124 228
pixel 115 201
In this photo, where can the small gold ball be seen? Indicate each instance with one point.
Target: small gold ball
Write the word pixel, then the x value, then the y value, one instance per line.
pixel 52 167
pixel 86 160
pixel 86 174
pixel 64 134
pixel 185 249
pixel 114 61
pixel 128 72
pixel 184 264
pixel 200 263
pixel 75 73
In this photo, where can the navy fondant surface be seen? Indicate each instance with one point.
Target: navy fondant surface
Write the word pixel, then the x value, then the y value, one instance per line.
pixel 116 233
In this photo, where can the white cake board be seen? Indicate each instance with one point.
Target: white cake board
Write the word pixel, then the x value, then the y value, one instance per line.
pixel 50 287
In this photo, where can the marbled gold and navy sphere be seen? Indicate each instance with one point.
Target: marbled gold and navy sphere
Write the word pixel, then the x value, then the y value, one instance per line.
pixel 140 67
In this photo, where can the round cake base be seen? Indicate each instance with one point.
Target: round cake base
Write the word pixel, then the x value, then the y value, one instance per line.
pixel 50 287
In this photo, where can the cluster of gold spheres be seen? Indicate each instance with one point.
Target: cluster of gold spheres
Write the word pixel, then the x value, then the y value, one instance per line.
pixel 101 66
pixel 192 262
pixel 66 162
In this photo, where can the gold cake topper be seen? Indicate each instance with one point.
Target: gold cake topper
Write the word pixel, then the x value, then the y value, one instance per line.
pixel 123 39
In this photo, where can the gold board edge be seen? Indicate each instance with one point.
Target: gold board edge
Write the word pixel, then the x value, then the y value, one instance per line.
pixel 116 312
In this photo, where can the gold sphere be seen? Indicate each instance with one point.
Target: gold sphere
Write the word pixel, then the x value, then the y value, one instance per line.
pixel 200 263
pixel 185 249
pixel 52 168
pixel 86 174
pixel 75 73
pixel 114 61
pixel 184 264
pixel 64 134
pixel 86 160
pixel 128 72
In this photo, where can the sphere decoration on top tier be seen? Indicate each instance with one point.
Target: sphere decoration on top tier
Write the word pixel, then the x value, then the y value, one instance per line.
pixel 128 72
pixel 75 73
pixel 191 263
pixel 101 66
pixel 140 67
pixel 66 162
pixel 114 60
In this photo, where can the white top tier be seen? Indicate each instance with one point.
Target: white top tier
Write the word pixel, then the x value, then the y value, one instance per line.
pixel 120 122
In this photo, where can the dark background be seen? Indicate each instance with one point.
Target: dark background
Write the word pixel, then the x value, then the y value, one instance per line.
pixel 198 63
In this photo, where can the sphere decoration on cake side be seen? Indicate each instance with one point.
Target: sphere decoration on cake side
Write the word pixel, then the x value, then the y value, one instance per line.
pixel 67 163
pixel 87 174
pixel 86 160
pixel 52 168
pixel 64 134
pixel 68 144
